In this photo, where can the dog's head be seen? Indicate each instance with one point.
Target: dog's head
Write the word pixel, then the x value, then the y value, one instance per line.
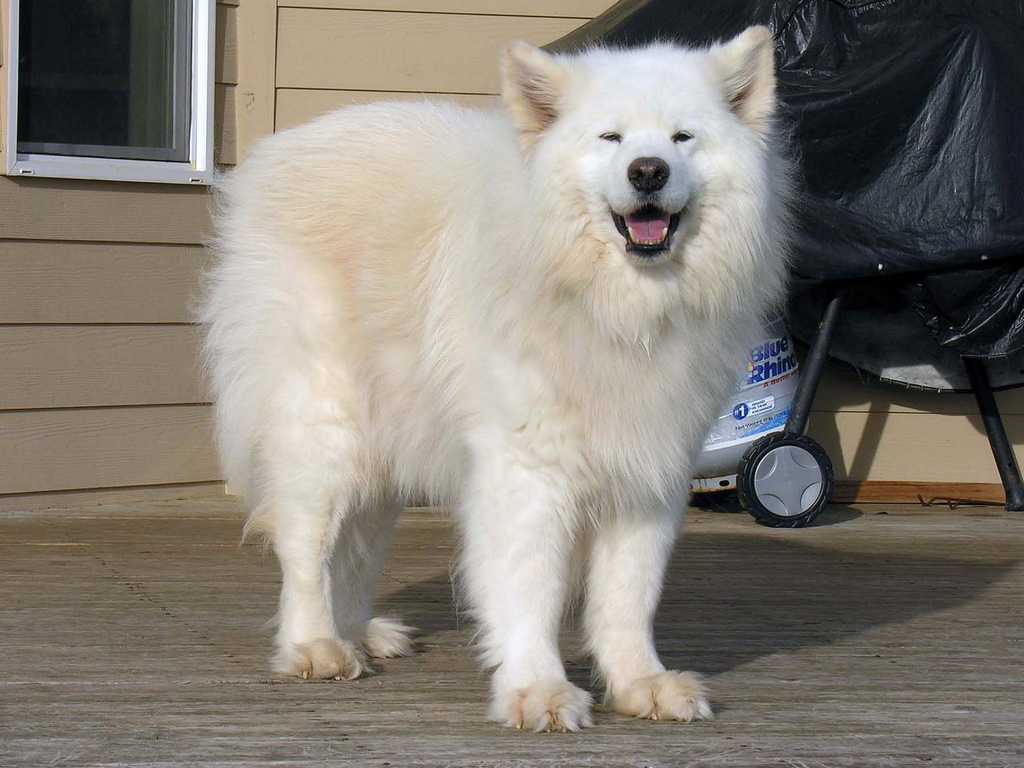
pixel 639 150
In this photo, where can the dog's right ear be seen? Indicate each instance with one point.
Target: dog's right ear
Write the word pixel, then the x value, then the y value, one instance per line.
pixel 746 67
pixel 532 85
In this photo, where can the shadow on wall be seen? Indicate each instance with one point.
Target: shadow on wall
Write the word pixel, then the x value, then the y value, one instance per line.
pixel 732 598
pixel 891 411
pixel 824 428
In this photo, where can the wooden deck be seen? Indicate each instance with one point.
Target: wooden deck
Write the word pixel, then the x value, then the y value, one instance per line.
pixel 885 637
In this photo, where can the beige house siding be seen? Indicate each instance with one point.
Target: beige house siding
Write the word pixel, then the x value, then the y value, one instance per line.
pixel 99 392
pixel 331 53
pixel 100 397
pixel 884 433
pixel 226 77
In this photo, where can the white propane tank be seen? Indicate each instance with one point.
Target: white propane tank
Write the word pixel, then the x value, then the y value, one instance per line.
pixel 760 406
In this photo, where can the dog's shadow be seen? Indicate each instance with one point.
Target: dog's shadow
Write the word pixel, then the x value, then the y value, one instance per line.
pixel 732 598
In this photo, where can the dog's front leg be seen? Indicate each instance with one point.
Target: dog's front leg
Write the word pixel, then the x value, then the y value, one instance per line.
pixel 519 526
pixel 629 555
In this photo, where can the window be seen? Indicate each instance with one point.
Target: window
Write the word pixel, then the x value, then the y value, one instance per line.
pixel 111 89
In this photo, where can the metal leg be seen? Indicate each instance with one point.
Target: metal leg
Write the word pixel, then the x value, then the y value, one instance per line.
pixel 814 365
pixel 1006 462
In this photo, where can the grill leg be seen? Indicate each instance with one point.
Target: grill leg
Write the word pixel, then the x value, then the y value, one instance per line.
pixel 1006 462
pixel 814 365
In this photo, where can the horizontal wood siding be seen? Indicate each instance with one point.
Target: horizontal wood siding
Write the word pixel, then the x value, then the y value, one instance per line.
pixel 300 105
pixel 401 51
pixel 53 281
pixel 579 9
pixel 886 433
pixel 94 298
pixel 66 366
pixel 105 447
pixel 911 446
pixel 68 209
pixel 99 381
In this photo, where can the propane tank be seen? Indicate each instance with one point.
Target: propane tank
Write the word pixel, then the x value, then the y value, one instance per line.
pixel 760 405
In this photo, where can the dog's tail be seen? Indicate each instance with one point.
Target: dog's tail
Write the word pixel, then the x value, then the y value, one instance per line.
pixel 235 309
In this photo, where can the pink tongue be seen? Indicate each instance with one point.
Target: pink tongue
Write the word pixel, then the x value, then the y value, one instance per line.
pixel 646 229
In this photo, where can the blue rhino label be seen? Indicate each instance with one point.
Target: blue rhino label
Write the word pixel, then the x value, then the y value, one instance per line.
pixel 770 360
pixel 760 405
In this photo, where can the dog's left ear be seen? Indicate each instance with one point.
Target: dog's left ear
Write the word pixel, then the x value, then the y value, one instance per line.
pixel 745 67
pixel 532 84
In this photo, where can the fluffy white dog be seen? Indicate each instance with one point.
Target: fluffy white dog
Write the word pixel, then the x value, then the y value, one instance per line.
pixel 531 313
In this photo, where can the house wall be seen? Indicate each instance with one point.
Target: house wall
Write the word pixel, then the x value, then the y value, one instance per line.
pixel 99 393
pixel 329 56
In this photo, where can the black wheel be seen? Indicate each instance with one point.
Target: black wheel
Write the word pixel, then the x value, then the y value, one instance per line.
pixel 784 481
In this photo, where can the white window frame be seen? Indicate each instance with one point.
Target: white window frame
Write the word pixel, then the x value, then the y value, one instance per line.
pixel 198 170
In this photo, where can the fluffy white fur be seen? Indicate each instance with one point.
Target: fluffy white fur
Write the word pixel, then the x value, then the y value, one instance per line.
pixel 428 299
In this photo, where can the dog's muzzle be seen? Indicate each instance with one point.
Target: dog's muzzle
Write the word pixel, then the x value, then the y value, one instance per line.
pixel 648 230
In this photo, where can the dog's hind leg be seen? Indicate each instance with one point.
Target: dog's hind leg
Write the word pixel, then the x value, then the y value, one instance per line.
pixel 356 567
pixel 628 559
pixel 316 492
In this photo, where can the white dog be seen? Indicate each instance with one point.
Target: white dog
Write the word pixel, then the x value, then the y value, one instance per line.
pixel 530 313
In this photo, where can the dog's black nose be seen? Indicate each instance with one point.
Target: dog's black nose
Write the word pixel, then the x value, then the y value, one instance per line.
pixel 648 174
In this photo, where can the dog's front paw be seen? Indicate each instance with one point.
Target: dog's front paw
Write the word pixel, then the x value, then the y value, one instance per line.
pixel 322 659
pixel 387 638
pixel 547 705
pixel 665 696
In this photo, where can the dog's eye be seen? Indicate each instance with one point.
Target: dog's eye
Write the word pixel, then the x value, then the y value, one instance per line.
pixel 612 136
pixel 682 136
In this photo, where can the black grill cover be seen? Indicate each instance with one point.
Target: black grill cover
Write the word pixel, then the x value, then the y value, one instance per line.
pixel 907 127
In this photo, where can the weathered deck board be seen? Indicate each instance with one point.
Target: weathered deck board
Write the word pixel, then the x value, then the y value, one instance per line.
pixel 134 636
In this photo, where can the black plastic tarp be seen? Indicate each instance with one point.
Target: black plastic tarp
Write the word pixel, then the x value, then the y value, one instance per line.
pixel 905 120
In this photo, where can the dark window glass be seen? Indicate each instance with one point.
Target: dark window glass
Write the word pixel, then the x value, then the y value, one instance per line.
pixel 105 78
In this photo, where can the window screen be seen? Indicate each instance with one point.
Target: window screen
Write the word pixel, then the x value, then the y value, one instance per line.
pixel 105 78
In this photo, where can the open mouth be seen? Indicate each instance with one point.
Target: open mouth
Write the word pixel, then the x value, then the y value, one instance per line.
pixel 648 230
